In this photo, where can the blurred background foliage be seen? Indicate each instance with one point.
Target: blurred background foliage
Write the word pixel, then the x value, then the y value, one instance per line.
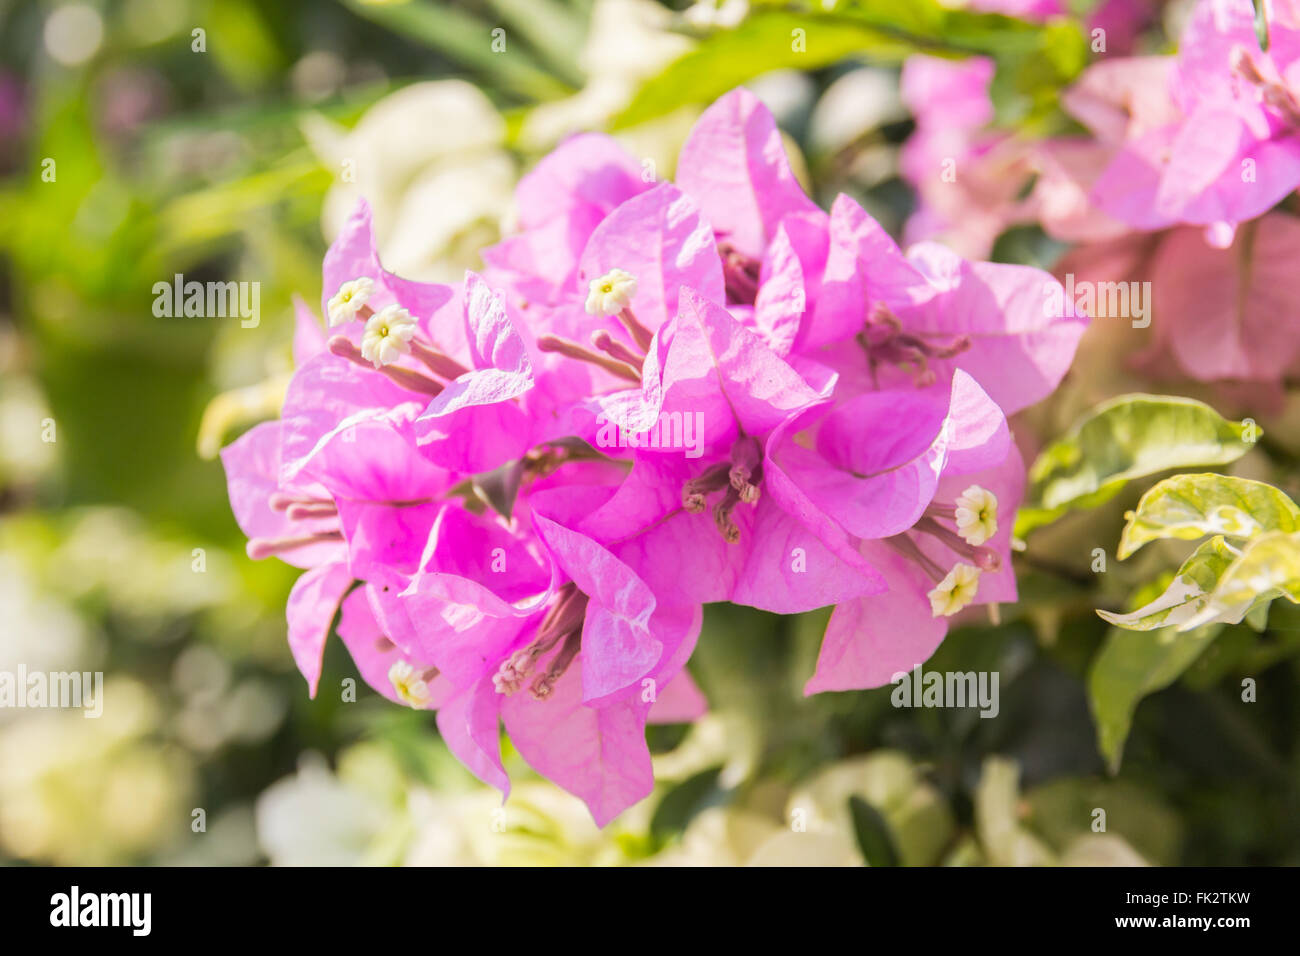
pixel 224 139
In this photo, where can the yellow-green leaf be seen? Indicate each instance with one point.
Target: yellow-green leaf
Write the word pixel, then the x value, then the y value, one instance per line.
pixel 1187 595
pixel 1188 507
pixel 1268 567
pixel 1129 437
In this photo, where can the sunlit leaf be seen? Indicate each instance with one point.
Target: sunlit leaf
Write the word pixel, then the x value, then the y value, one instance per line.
pixel 1038 59
pixel 1268 568
pixel 1187 595
pixel 466 39
pixel 1129 437
pixel 1188 507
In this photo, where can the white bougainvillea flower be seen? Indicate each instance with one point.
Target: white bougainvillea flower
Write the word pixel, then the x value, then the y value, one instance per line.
pixel 611 293
pixel 347 302
pixel 977 515
pixel 955 591
pixel 409 684
pixel 387 336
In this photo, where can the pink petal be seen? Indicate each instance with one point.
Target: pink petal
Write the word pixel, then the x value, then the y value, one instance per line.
pixel 312 603
pixel 680 702
pixel 617 646
pixel 597 754
pixel 734 164
pixel 661 238
pixel 870 640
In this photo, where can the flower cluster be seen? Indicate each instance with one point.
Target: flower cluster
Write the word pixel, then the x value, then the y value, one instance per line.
pixel 1174 180
pixel 517 493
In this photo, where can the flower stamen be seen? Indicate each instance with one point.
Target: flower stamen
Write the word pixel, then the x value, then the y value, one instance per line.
pixel 259 548
pixel 986 559
pixel 408 379
pixel 444 366
pixel 746 468
pixel 564 619
pixel 305 512
pixel 885 342
pixel 722 516
pixel 570 349
pixel 388 335
pixel 740 274
pixel 616 349
pixel 611 293
pixel 696 491
pixel 976 515
pixel 544 686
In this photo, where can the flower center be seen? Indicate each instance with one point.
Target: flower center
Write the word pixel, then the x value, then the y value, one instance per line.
pixel 412 685
pixel 608 295
pixel 741 476
pixel 975 515
pixel 562 626
pixel 1273 90
pixel 886 343
pixel 740 274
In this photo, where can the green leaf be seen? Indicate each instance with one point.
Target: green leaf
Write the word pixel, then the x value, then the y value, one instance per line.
pixel 1027 85
pixel 1130 666
pixel 553 29
pixel 681 804
pixel 1267 568
pixel 1188 507
pixel 1131 436
pixel 466 39
pixel 1187 595
pixel 1038 58
pixel 1218 585
pixel 873 834
pixel 762 42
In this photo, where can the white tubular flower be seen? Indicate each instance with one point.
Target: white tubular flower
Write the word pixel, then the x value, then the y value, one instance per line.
pixel 387 336
pixel 977 515
pixel 611 293
pixel 409 685
pixel 347 302
pixel 955 591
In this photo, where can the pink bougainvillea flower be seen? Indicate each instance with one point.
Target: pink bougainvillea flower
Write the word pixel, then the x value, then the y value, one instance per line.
pixel 1234 150
pixel 598 645
pixel 711 511
pixel 967 175
pixel 1230 314
pixel 870 640
pixel 559 203
pixel 919 479
pixel 923 315
pixel 520 490
pixel 474 423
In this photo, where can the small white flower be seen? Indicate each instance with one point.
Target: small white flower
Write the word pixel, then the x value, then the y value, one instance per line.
pixel 955 591
pixel 977 515
pixel 347 302
pixel 409 685
pixel 611 293
pixel 387 336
